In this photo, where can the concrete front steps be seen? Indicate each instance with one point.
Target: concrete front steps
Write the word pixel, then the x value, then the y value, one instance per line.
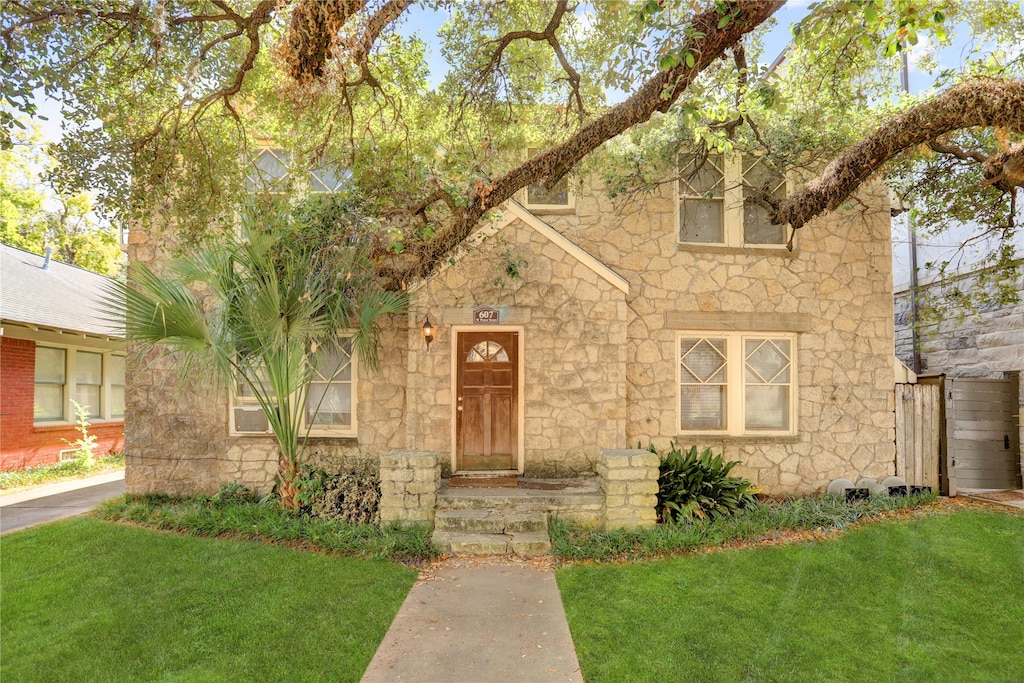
pixel 502 521
pixel 492 532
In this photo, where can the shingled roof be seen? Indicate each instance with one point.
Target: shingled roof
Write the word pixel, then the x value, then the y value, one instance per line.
pixel 61 297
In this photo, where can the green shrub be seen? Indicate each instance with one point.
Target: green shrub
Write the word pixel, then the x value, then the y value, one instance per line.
pixel 232 492
pixel 268 521
pixel 693 486
pixel 352 494
pixel 761 522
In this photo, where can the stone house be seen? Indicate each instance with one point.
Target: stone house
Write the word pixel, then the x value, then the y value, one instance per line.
pixel 573 324
pixel 55 348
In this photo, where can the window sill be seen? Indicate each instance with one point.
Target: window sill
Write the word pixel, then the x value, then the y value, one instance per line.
pixel 333 438
pixel 64 426
pixel 697 248
pixel 746 438
pixel 343 439
pixel 551 210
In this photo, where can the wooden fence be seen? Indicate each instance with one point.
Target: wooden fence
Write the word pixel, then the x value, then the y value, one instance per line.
pixel 918 433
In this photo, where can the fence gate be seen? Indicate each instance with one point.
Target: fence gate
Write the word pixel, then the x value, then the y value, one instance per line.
pixel 982 437
pixel 918 429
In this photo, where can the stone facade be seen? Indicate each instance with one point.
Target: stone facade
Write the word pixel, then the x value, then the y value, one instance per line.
pixel 177 435
pixel 600 296
pixel 572 323
pixel 835 283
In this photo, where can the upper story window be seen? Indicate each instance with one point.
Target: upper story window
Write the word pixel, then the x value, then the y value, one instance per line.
pixel 271 172
pixel 737 384
pixel 718 201
pixel 325 180
pixel 559 197
pixel 94 379
pixel 268 171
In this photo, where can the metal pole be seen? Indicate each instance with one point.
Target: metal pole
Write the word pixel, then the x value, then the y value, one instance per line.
pixel 914 313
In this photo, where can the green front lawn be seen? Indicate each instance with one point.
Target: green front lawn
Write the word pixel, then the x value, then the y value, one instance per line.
pixel 85 600
pixel 939 597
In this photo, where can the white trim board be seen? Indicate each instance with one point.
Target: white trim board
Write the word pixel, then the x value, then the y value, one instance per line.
pixel 513 211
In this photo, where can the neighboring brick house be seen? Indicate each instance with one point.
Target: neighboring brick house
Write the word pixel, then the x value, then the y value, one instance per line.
pixel 573 324
pixel 55 347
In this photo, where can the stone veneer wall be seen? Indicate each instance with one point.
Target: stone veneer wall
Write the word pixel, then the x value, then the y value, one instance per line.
pixel 986 345
pixel 573 342
pixel 838 278
pixel 176 431
pixel 601 366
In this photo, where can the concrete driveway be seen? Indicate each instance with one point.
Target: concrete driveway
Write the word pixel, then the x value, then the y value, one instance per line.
pixel 57 501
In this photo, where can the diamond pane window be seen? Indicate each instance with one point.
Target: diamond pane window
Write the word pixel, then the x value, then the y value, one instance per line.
pixel 539 196
pixel 325 180
pixel 269 172
pixel 701 195
pixel 737 384
pixel 722 200
pixel 760 176
pixel 767 380
pixel 703 392
pixel 329 400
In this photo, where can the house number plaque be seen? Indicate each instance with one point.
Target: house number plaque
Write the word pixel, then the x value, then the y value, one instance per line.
pixel 483 316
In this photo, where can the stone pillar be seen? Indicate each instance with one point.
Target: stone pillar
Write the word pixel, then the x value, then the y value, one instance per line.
pixel 409 481
pixel 629 479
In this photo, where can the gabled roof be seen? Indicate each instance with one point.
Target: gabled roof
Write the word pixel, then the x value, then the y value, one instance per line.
pixel 512 211
pixel 61 297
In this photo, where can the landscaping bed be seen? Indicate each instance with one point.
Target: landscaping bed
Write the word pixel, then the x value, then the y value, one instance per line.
pixel 759 522
pixel 61 471
pixel 265 520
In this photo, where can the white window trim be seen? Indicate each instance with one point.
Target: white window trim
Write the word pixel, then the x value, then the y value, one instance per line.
pixel 732 209
pixel 70 386
pixel 736 385
pixel 337 432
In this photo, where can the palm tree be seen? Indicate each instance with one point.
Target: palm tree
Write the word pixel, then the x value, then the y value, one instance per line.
pixel 254 309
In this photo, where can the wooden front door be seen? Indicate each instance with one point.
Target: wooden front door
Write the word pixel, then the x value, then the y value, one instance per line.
pixel 487 401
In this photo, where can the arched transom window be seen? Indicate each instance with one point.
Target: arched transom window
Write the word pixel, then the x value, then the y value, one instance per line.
pixel 487 351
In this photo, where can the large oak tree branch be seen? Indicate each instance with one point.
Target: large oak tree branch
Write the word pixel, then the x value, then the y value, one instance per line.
pixel 656 95
pixel 979 102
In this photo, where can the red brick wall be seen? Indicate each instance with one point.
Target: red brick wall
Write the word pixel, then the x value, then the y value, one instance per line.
pixel 22 444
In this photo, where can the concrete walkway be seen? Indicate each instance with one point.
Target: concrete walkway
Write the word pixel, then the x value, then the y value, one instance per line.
pixel 479 619
pixel 51 502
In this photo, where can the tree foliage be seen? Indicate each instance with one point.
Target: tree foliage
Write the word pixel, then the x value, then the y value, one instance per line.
pixel 186 89
pixel 34 216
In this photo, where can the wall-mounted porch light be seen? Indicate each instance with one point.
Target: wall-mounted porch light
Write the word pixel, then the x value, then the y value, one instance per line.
pixel 428 333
